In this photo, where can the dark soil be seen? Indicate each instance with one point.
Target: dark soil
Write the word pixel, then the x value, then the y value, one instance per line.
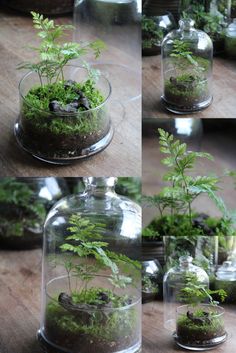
pixel 185 98
pixel 86 343
pixel 201 331
pixel 51 145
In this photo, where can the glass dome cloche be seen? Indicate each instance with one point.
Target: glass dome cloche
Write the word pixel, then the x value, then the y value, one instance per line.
pixel 91 288
pixel 187 69
pixel 24 203
pixel 174 280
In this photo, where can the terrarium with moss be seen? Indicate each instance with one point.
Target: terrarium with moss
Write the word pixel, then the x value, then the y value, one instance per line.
pixel 187 69
pixel 200 322
pixel 23 205
pixel 91 287
pixel 152 35
pixel 63 114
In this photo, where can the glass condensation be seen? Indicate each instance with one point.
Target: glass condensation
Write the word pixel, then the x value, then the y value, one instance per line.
pixel 24 203
pixel 118 24
pixel 187 69
pixel 91 292
pixel 173 282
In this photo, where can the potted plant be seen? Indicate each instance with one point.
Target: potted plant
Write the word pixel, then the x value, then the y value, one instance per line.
pixel 151 280
pixel 152 36
pixel 174 202
pixel 63 115
pixel 22 213
pixel 95 305
pixel 46 7
pixel 186 77
pixel 199 326
pixel 213 23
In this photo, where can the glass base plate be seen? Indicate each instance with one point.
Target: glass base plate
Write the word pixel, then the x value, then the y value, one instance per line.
pixel 85 153
pixel 177 110
pixel 206 347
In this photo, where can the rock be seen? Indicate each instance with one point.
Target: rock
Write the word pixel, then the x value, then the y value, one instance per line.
pixel 80 93
pixel 84 103
pixel 69 84
pixel 54 106
pixel 104 297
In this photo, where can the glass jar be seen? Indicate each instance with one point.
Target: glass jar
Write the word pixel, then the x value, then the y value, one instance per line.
pixel 187 69
pixel 151 280
pixel 226 280
pixel 230 40
pixel 91 294
pixel 200 333
pixel 24 203
pixel 118 24
pixel 154 29
pixel 60 137
pixel 174 280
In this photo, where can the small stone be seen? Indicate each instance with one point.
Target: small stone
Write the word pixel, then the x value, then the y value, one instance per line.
pixel 69 84
pixel 84 103
pixel 54 106
pixel 80 93
pixel 104 297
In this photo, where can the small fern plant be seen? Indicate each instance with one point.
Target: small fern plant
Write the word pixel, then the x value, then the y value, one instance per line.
pixel 55 55
pixel 85 241
pixel 194 292
pixel 184 188
pixel 182 53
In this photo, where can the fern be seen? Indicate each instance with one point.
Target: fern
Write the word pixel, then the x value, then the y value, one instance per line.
pixel 85 240
pixel 183 187
pixel 54 55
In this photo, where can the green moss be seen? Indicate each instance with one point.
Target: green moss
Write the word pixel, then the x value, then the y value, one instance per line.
pixel 193 331
pixel 36 109
pixel 100 324
pixel 20 210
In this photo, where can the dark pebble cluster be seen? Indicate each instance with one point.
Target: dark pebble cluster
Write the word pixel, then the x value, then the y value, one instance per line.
pixel 80 102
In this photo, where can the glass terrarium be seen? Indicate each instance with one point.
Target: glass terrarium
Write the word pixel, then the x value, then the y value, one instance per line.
pixel 91 291
pixel 151 280
pixel 24 203
pixel 203 249
pixel 174 280
pixel 226 280
pixel 187 69
pixel 230 40
pixel 61 134
pixel 200 327
pixel 154 29
pixel 118 24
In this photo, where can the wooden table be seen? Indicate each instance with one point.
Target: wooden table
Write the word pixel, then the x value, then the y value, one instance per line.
pixel 20 289
pixel 221 145
pixel 224 90
pixel 156 339
pixel 122 157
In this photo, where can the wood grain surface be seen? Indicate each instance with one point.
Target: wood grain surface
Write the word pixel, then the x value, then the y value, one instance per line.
pixel 20 289
pixel 224 90
pixel 156 339
pixel 122 157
